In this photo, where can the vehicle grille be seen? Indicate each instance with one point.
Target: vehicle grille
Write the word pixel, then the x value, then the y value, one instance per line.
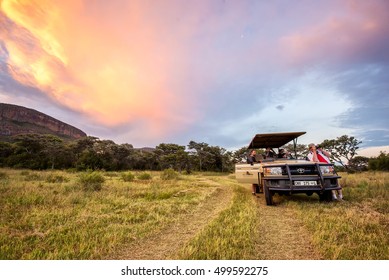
pixel 301 170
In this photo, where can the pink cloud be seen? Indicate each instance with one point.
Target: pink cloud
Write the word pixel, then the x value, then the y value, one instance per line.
pixel 347 36
pixel 116 67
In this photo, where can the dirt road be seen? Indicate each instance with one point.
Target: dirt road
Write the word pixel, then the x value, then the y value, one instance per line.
pixel 167 243
pixel 282 236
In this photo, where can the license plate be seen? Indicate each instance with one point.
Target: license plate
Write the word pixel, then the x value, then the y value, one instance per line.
pixel 305 183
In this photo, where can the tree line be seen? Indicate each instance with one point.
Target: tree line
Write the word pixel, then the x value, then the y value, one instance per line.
pixel 37 151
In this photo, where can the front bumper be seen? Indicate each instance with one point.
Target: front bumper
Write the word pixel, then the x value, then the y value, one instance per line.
pixel 312 183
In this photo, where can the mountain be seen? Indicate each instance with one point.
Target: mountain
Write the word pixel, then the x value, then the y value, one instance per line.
pixel 16 120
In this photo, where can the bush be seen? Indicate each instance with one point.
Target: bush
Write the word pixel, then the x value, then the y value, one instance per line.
pixel 52 178
pixel 169 174
pixel 128 177
pixel 92 181
pixel 33 177
pixel 3 176
pixel 144 176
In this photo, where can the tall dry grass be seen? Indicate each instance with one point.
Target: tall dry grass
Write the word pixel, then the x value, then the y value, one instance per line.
pixel 358 227
pixel 50 215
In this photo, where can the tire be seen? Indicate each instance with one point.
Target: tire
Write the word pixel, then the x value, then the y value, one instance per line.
pixel 257 188
pixel 268 196
pixel 326 196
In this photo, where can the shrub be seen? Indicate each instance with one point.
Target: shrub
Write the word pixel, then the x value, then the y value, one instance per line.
pixel 111 174
pixel 128 177
pixel 144 176
pixel 33 177
pixel 169 174
pixel 3 176
pixel 92 181
pixel 52 178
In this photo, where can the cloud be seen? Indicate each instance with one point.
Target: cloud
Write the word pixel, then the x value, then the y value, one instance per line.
pixel 211 71
pixel 280 107
pixel 354 35
pixel 114 71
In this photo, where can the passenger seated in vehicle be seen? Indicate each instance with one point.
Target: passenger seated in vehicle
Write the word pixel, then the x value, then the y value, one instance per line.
pixel 282 154
pixel 258 158
pixel 269 153
pixel 251 158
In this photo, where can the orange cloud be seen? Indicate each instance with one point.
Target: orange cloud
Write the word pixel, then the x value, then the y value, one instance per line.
pixel 341 37
pixel 110 64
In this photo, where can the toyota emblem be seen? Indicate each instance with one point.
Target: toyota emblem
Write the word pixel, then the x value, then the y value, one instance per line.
pixel 300 170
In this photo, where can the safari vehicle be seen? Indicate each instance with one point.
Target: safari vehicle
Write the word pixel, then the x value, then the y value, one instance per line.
pixel 286 176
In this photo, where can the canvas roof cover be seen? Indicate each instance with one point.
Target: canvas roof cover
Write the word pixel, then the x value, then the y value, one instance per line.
pixel 273 140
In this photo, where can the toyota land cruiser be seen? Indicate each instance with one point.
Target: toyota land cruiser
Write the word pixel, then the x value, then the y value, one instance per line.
pixel 286 176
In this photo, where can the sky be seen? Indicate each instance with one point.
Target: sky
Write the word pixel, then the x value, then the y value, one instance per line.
pixel 146 72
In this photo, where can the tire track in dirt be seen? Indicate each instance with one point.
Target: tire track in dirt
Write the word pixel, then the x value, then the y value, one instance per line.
pixel 282 235
pixel 166 244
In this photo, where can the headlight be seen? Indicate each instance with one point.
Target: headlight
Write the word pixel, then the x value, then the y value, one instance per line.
pixel 273 170
pixel 327 169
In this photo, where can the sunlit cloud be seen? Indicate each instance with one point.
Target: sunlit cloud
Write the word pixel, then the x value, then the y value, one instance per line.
pixel 116 72
pixel 145 72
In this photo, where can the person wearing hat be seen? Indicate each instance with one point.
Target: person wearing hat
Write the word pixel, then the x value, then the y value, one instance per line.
pixel 317 154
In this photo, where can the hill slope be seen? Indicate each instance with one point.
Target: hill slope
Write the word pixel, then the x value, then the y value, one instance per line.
pixel 16 120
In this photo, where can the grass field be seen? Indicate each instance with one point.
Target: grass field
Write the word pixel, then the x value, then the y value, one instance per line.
pixel 357 228
pixel 51 215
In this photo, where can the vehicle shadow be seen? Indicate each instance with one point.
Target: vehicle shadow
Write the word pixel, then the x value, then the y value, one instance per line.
pixel 281 199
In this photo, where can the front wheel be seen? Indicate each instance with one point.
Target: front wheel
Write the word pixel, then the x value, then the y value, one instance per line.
pixel 326 196
pixel 268 196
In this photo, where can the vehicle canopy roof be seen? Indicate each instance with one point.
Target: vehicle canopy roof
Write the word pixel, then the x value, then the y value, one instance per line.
pixel 273 140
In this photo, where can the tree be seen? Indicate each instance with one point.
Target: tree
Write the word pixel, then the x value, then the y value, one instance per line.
pixel 301 151
pixel 141 159
pixel 359 163
pixel 215 162
pixel 341 148
pixel 239 155
pixel 227 161
pixel 6 150
pixel 380 163
pixel 172 156
pixel 121 155
pixel 53 150
pixel 200 155
pixel 36 151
